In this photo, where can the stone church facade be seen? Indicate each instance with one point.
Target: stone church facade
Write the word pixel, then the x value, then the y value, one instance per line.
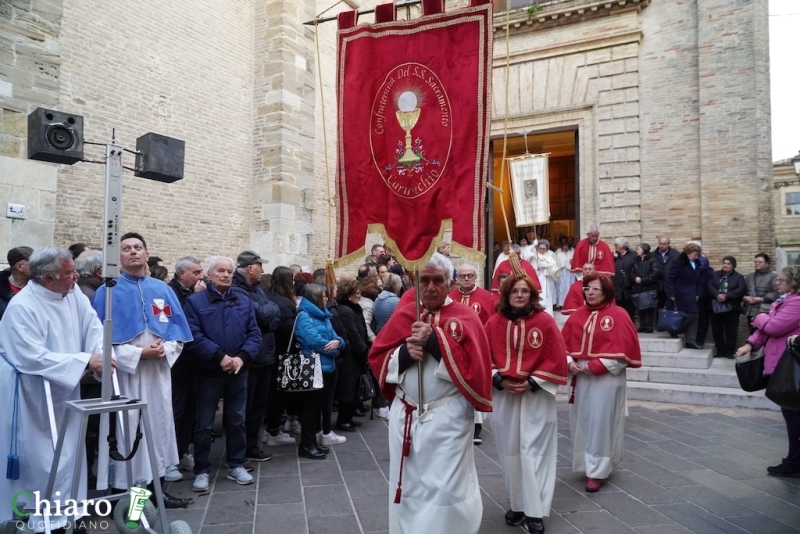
pixel 669 102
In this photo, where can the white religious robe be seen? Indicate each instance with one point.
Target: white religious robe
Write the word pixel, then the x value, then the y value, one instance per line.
pixel 565 277
pixel 149 381
pixel 597 419
pixel 547 271
pixel 46 337
pixel 440 491
pixel 526 432
pixel 500 259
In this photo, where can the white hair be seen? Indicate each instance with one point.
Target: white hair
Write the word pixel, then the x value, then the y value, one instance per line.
pixel 470 265
pixel 695 242
pixel 212 261
pixel 441 263
pixel 621 242
pixel 593 228
pixel 47 260
pixel 185 263
pixel 87 263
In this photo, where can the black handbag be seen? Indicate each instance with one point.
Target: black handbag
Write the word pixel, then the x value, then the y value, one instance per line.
pixel 299 372
pixel 645 300
pixel 720 307
pixel 750 371
pixel 366 387
pixel 784 384
pixel 670 320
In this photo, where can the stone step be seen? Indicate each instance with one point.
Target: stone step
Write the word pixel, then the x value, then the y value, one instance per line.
pixel 720 374
pixel 660 342
pixel 699 395
pixel 685 359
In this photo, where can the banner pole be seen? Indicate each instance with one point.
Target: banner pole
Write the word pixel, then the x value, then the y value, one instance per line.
pixel 420 401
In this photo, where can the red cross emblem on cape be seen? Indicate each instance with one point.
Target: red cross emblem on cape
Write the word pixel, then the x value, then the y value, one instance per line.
pixel 159 309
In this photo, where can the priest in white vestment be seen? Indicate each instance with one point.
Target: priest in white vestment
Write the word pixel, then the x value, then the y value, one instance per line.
pixel 528 362
pixel 433 481
pixel 49 332
pixel 601 342
pixel 149 330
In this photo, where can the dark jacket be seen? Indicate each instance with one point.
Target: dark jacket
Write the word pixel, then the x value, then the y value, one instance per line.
pixel 664 263
pixel 354 360
pixel 384 307
pixel 314 331
pixel 622 267
pixel 283 332
pixel 647 269
pixel 5 291
pixel 737 288
pixel 221 324
pixel 268 316
pixel 181 292
pixel 685 284
pixel 762 284
pixel 88 285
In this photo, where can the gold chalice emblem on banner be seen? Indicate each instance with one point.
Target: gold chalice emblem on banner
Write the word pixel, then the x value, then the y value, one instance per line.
pixel 407 116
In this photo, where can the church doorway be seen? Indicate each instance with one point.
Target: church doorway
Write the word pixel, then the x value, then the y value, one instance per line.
pixel 562 149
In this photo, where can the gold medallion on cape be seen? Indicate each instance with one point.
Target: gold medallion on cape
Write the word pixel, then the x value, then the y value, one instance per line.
pixel 411 130
pixel 607 323
pixel 535 337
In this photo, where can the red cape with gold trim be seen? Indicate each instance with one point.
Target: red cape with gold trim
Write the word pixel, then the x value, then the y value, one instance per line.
pixel 574 298
pixel 603 332
pixel 462 342
pixel 505 268
pixel 480 300
pixel 598 255
pixel 541 353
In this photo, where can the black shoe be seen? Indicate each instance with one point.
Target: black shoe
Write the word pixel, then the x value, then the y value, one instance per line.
pixel 514 518
pixel 476 437
pixel 248 466
pixel 169 500
pixel 313 453
pixel 534 524
pixel 693 346
pixel 784 470
pixel 641 330
pixel 347 427
pixel 648 330
pixel 323 449
pixel 216 434
pixel 672 333
pixel 355 423
pixel 257 455
pixel 360 413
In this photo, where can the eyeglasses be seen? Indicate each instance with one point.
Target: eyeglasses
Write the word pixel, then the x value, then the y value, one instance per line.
pixel 592 289
pixel 465 276
pixel 780 279
pixel 520 291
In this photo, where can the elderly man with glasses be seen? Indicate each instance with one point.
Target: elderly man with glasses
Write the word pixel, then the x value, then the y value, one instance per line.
pixel 469 294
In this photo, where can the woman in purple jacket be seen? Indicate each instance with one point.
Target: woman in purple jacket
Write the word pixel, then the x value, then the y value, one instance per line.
pixel 771 332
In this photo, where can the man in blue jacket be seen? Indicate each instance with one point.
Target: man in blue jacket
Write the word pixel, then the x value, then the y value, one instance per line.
pixel 226 338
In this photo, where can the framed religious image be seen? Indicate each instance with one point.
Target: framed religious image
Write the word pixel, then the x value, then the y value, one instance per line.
pixel 529 189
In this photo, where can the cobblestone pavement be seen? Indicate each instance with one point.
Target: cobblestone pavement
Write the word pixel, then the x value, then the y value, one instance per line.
pixel 686 469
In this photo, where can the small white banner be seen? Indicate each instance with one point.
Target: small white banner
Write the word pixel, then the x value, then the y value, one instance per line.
pixel 530 189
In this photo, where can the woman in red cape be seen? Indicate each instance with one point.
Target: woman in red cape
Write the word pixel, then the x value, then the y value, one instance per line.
pixel 601 342
pixel 529 363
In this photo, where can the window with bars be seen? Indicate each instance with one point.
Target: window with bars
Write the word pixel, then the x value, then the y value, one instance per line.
pixel 792 203
pixel 500 5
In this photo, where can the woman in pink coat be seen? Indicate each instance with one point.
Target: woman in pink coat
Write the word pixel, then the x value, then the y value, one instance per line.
pixel 771 332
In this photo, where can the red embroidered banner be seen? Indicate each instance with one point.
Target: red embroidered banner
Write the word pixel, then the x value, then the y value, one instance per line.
pixel 413 134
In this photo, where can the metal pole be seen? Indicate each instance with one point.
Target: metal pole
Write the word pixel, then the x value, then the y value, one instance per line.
pixel 420 401
pixel 111 227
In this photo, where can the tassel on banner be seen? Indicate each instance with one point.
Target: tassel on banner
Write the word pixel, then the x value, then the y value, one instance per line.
pixel 330 274
pixel 12 467
pixel 516 267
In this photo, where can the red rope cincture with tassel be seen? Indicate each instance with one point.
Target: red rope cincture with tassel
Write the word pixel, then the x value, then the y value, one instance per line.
pixel 406 447
pixel 572 393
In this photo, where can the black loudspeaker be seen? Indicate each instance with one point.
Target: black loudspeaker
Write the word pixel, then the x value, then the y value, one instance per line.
pixel 55 136
pixel 161 158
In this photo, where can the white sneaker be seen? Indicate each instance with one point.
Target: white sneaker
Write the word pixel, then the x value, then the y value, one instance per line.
pixel 172 474
pixel 200 482
pixel 240 476
pixel 331 439
pixel 383 413
pixel 291 427
pixel 186 463
pixel 281 439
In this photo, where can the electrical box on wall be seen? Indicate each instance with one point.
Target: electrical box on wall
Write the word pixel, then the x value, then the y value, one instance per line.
pixel 15 211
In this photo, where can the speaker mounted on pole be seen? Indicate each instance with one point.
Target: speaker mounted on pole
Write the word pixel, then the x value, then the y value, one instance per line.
pixel 55 136
pixel 160 158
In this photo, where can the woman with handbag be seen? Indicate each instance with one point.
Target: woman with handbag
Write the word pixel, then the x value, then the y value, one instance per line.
pixel 685 284
pixel 601 342
pixel 726 289
pixel 315 334
pixel 355 364
pixel 528 364
pixel 772 332
pixel 644 277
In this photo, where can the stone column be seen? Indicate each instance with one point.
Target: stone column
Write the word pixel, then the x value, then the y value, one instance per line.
pixel 282 198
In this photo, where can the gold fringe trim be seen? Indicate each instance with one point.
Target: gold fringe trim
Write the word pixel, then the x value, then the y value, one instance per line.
pixel 446 225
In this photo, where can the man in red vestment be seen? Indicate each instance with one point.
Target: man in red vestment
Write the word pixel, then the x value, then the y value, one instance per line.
pixel 449 348
pixel 574 298
pixel 469 294
pixel 593 250
pixel 505 268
